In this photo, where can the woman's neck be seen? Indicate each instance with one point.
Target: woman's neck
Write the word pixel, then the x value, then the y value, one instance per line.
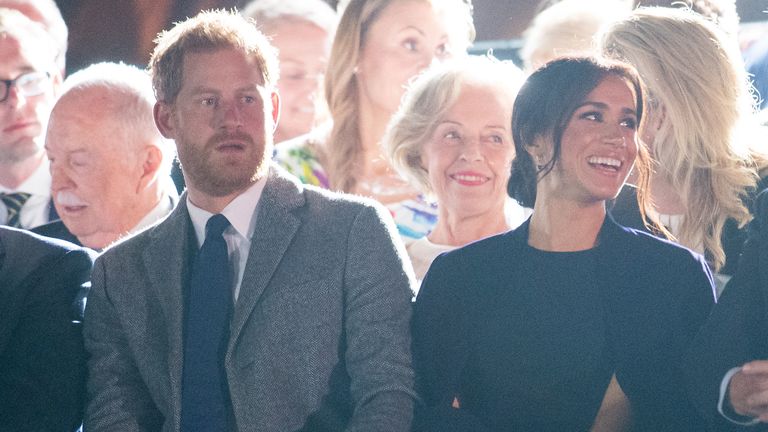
pixel 372 124
pixel 665 198
pixel 565 226
pixel 454 229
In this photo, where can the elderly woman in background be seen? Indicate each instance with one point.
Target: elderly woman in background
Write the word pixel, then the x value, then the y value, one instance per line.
pixel 567 28
pixel 302 32
pixel 570 322
pixel 708 148
pixel 451 138
pixel 379 46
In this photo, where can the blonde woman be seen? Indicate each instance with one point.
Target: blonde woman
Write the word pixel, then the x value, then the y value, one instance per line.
pixel 379 46
pixel 452 139
pixel 701 131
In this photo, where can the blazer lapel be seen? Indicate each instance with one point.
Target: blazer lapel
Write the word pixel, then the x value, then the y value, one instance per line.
pixel 275 229
pixel 166 260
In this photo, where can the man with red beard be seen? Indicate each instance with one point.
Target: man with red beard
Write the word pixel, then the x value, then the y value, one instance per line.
pixel 29 82
pixel 109 164
pixel 259 304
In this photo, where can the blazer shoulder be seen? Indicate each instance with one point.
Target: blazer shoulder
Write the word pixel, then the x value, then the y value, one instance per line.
pixel 27 255
pixel 36 245
pixel 648 245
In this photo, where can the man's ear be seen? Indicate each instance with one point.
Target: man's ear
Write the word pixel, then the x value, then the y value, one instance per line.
pixel 164 119
pixel 56 81
pixel 275 98
pixel 150 158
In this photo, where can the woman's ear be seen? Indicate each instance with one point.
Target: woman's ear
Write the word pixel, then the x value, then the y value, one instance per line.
pixel 538 150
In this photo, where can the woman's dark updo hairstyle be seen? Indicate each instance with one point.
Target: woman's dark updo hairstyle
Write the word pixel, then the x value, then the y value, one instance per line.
pixel 544 106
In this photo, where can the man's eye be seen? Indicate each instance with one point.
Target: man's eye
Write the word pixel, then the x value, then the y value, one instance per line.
pixel 208 101
pixel 411 45
pixel 249 99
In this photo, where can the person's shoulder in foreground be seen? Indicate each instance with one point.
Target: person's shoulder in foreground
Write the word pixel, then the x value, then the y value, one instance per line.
pixel 43 284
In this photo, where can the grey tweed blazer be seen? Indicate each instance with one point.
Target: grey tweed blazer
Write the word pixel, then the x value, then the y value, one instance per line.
pixel 319 337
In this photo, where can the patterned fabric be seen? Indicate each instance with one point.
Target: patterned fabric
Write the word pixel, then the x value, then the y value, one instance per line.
pixel 13 203
pixel 414 218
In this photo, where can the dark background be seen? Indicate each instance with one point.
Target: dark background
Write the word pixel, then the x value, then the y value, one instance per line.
pixel 114 30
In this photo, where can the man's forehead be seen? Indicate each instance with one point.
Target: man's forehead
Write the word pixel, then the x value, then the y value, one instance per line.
pixel 202 64
pixel 16 46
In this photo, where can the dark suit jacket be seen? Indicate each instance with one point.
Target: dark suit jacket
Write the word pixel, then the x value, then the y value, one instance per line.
pixel 737 330
pixel 656 296
pixel 42 360
pixel 319 336
pixel 56 229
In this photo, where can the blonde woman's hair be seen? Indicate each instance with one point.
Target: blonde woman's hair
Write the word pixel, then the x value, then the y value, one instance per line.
pixel 341 156
pixel 428 99
pixel 700 96
pixel 567 28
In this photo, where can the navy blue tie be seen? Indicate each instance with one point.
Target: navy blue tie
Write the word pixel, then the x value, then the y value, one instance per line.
pixel 204 391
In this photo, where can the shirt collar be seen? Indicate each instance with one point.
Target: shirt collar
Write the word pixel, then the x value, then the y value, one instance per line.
pixel 158 212
pixel 241 213
pixel 39 183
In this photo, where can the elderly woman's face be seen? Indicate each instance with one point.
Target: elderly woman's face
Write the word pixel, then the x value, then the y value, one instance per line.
pixel 599 145
pixel 469 155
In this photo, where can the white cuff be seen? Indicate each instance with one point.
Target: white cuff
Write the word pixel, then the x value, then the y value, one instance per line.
pixel 723 391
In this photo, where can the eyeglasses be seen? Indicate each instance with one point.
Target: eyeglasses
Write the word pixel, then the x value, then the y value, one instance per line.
pixel 28 84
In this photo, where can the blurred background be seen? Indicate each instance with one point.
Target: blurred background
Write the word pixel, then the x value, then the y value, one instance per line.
pixel 123 30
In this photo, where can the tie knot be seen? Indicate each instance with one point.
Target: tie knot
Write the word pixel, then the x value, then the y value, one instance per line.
pixel 216 225
pixel 13 204
pixel 14 200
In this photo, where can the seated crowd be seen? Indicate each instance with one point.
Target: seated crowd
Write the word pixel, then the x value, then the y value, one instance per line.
pixel 379 232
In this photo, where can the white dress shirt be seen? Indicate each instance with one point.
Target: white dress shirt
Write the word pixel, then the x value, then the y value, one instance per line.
pixel 162 209
pixel 36 210
pixel 241 213
pixel 721 401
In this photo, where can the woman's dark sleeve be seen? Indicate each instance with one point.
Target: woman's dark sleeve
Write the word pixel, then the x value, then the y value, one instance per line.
pixel 441 344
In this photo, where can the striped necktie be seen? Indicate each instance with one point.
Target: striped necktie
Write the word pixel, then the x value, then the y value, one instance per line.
pixel 14 202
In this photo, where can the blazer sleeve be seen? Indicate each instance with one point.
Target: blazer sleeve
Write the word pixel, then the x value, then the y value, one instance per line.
pixel 48 392
pixel 118 399
pixel 441 345
pixel 735 331
pixel 377 283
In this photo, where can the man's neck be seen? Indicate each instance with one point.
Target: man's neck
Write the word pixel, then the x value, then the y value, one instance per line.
pixel 13 174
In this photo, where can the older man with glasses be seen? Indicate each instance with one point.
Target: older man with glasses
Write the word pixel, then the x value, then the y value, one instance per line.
pixel 29 82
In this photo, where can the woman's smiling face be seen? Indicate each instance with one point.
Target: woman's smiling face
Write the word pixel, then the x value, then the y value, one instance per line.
pixel 599 145
pixel 468 156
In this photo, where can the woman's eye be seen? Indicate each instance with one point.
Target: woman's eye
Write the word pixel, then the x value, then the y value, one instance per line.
pixel 629 123
pixel 294 76
pixel 451 135
pixel 442 51
pixel 210 101
pixel 411 45
pixel 497 139
pixel 591 115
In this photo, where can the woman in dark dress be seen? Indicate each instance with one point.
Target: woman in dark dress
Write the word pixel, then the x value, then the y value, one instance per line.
pixel 570 322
